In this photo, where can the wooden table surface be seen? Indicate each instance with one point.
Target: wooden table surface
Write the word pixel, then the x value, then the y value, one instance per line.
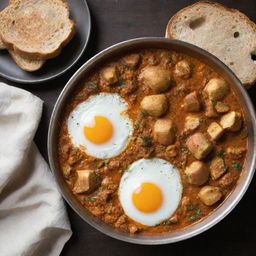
pixel 114 21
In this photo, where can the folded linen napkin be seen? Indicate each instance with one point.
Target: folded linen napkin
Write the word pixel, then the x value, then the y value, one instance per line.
pixel 33 218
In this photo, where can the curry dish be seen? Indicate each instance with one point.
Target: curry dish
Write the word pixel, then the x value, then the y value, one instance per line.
pixel 181 111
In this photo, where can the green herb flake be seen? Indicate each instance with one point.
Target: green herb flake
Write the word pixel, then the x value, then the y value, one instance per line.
pixel 91 198
pixel 137 125
pixel 237 166
pixel 192 218
pixel 186 176
pixel 221 154
pixel 122 83
pixel 146 141
pixel 208 71
pixel 92 85
pixel 168 222
pixel 202 120
pixel 198 212
pixel 184 150
pixel 192 65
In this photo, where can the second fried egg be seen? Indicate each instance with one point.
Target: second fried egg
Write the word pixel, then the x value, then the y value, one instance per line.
pixel 100 125
pixel 150 191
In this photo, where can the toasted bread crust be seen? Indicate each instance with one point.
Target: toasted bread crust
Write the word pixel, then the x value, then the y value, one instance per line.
pixel 26 64
pixel 39 50
pixel 174 18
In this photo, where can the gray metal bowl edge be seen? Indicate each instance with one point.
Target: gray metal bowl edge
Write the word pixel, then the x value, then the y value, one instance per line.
pixel 246 176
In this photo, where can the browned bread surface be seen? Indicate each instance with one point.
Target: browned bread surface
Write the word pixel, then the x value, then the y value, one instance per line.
pixel 227 33
pixel 35 28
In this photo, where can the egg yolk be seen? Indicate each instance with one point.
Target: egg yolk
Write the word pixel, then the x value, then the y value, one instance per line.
pixel 147 197
pixel 101 132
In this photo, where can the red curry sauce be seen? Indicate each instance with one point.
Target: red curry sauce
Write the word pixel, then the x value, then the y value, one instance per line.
pixel 103 202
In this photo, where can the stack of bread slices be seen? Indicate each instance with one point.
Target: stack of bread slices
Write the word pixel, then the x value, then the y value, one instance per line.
pixel 35 30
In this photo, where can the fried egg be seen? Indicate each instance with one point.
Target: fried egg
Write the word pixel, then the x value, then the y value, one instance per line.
pixel 150 191
pixel 100 126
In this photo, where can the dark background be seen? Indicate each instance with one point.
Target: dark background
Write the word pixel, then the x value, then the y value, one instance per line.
pixel 114 21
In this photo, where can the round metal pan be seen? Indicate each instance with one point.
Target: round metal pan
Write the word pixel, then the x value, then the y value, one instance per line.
pixel 249 114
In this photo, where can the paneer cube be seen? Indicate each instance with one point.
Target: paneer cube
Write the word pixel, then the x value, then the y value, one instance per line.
pixel 210 109
pixel 197 173
pixel 154 105
pixel 215 131
pixel 216 89
pixel 191 123
pixel 164 131
pixel 227 180
pixel 191 102
pixel 231 121
pixel 210 195
pixel 199 145
pixel 182 69
pixel 217 168
pixel 86 181
pixel 222 107
pixel 109 74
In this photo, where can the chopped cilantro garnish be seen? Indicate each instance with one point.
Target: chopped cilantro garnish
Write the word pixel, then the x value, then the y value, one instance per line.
pixel 91 198
pixel 92 85
pixel 237 166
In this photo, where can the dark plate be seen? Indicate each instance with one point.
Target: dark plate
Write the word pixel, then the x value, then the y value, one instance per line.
pixel 59 65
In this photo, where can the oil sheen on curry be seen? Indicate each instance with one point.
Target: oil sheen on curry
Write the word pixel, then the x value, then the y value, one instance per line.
pixel 152 141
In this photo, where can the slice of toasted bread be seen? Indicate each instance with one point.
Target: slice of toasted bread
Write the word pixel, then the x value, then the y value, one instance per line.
pixel 23 63
pixel 224 32
pixel 36 29
pixel 2 46
pixel 26 64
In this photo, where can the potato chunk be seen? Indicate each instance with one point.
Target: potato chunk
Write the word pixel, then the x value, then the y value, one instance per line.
pixel 215 131
pixel 197 173
pixel 231 121
pixel 216 89
pixel 182 69
pixel 217 168
pixel 155 105
pixel 109 74
pixel 199 145
pixel 191 102
pixel 86 181
pixel 221 107
pixel 191 123
pixel 156 77
pixel 210 195
pixel 164 131
pixel 131 60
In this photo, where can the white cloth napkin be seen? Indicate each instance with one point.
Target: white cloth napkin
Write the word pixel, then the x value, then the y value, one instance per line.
pixel 33 218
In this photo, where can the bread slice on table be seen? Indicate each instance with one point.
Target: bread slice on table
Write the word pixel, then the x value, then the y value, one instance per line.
pixel 36 29
pixel 23 63
pixel 227 33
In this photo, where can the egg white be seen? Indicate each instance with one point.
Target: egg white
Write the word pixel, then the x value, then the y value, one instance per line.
pixel 161 173
pixel 112 107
